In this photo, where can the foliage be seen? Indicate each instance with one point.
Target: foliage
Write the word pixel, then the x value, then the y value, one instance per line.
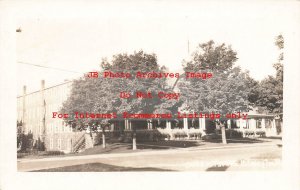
pixel 271 88
pixel 228 90
pixel 53 153
pixel 215 58
pixel 39 145
pixel 231 133
pixel 271 95
pixel 25 142
pixel 101 95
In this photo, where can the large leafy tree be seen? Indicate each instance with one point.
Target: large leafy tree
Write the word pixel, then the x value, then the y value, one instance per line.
pixel 271 88
pixel 146 63
pixel 228 90
pixel 223 93
pixel 102 95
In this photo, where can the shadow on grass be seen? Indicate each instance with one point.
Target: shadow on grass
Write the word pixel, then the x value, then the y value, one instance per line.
pixel 241 140
pixel 279 138
pixel 168 144
pixel 127 147
pixel 217 168
pixel 98 167
pixel 110 148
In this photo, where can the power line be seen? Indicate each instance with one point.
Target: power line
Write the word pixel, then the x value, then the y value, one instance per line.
pixel 47 67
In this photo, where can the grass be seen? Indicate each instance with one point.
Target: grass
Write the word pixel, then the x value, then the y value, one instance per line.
pixel 170 144
pixel 144 146
pixel 37 154
pixel 237 140
pixel 217 168
pixel 148 146
pixel 119 148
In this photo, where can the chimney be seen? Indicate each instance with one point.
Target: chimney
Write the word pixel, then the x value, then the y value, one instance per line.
pixel 24 120
pixel 42 84
pixel 42 129
pixel 24 90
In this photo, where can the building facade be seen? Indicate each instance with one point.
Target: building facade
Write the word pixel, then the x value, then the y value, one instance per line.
pixel 35 115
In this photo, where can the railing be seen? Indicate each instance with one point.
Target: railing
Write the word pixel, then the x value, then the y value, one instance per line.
pixel 79 143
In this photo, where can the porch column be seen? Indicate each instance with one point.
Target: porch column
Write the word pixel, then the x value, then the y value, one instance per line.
pixel 273 124
pixel 263 124
pixel 129 125
pixel 241 124
pixel 185 123
pixel 252 124
pixel 150 124
pixel 203 123
pixel 168 125
pixel 238 123
pixel 274 130
pixel 202 126
pixel 112 127
pixel 229 124
pixel 126 124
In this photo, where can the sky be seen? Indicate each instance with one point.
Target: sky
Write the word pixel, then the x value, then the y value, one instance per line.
pixel 77 38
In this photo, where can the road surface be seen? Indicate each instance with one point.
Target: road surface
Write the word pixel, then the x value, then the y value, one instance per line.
pixel 258 156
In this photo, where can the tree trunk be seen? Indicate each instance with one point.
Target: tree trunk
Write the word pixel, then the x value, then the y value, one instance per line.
pixel 103 138
pixel 223 134
pixel 134 139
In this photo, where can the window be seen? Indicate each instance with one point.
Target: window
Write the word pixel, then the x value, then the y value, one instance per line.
pixel 268 123
pixel 258 123
pixel 51 127
pixel 59 144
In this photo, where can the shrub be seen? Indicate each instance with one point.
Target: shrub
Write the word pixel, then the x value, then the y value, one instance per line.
pixel 261 133
pixel 249 132
pixel 211 136
pixel 179 133
pixel 39 145
pixel 25 141
pixel 53 153
pixel 233 133
pixel 21 155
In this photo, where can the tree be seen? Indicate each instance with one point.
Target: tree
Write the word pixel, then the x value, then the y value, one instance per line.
pixel 211 57
pixel 102 95
pixel 271 88
pixel 228 90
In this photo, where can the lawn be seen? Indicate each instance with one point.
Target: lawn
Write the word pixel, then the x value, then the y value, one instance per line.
pixel 146 146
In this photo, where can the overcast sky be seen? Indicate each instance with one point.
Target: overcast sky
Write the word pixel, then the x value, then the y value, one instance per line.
pixel 77 38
